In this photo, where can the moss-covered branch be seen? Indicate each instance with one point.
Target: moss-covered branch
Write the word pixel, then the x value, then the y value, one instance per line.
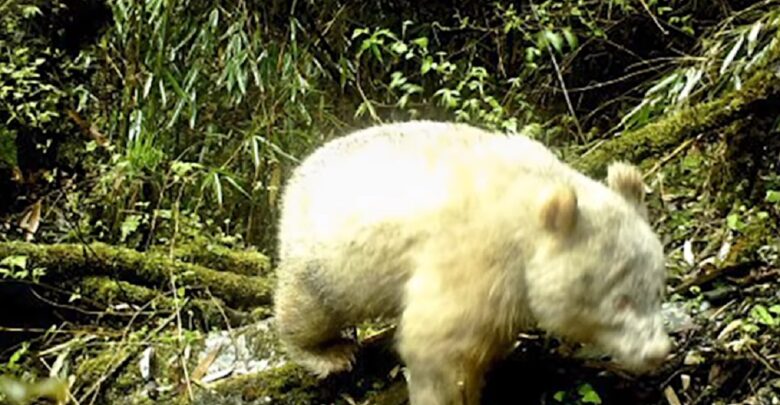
pixel 248 263
pixel 759 93
pixel 68 261
pixel 209 312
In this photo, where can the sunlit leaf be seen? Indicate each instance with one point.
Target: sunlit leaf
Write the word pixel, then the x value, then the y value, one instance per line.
pixel 554 39
pixel 217 188
pixel 663 83
pixel 16 261
pixel 397 79
pixel 571 38
pixel 761 315
pixel 692 77
pixel 753 36
pixel 129 225
pixel 399 47
pixel 734 222
pixel 422 42
pixel 181 168
pixel 237 186
pixel 163 93
pixel 148 85
pixel 255 151
pixel 588 394
pixel 358 32
pixel 214 18
pixel 427 64
pixel 732 54
pixel 193 109
pixel 688 255
pixel 772 196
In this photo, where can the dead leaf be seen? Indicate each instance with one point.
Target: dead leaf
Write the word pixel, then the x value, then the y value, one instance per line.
pixel 16 175
pixel 671 396
pixel 732 326
pixel 685 381
pixel 713 374
pixel 145 364
pixel 201 369
pixel 31 220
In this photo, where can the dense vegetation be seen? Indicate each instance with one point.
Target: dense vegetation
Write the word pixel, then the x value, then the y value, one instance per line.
pixel 143 145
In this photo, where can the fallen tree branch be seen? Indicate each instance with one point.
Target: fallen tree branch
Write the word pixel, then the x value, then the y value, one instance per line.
pixel 211 312
pixel 675 128
pixel 245 262
pixel 68 261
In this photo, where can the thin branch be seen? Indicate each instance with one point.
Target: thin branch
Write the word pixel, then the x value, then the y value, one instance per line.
pixel 652 16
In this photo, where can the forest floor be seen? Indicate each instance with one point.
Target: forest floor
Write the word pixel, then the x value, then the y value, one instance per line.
pixel 193 325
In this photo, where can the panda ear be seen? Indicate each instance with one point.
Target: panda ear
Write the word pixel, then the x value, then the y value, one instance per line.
pixel 559 210
pixel 626 180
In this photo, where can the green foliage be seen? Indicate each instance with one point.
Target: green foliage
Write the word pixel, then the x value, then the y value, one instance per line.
pixel 765 316
pixel 26 97
pixel 13 365
pixel 584 394
pixel 15 267
pixel 588 395
pixel 415 72
pixel 772 196
pixel 213 108
pixel 728 58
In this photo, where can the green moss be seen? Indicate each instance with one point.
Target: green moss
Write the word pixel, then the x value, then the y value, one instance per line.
pixel 206 313
pixel 94 372
pixel 288 384
pixel 107 290
pixel 68 261
pixel 660 136
pixel 245 262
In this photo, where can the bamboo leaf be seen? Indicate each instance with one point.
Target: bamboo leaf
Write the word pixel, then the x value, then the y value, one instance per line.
pixel 148 85
pixel 571 38
pixel 255 151
pixel 732 54
pixel 217 188
pixel 554 39
pixel 235 185
pixel 752 37
pixel 692 77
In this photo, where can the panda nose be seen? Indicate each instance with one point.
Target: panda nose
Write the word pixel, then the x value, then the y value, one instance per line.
pixel 658 353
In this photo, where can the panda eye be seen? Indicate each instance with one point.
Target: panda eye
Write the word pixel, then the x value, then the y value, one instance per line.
pixel 623 303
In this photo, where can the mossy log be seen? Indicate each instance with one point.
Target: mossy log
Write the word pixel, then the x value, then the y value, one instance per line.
pixel 245 262
pixel 68 261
